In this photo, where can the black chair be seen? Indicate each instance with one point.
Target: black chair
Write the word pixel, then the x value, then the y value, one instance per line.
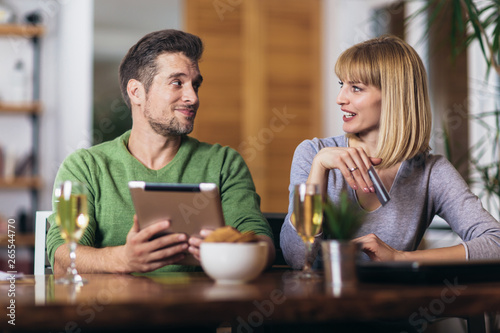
pixel 276 221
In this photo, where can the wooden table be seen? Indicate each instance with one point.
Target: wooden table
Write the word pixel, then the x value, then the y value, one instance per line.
pixel 275 300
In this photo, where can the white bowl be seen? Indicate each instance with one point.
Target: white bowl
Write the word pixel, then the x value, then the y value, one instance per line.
pixel 233 263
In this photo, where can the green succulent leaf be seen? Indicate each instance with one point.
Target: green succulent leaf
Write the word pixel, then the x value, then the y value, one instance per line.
pixel 341 221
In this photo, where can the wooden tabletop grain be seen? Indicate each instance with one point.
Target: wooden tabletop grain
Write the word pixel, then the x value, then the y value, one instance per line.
pixel 182 300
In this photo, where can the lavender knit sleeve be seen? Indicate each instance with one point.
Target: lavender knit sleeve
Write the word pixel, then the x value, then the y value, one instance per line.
pixel 290 242
pixel 464 212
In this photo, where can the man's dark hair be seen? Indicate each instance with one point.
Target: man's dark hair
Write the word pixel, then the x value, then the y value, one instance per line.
pixel 140 61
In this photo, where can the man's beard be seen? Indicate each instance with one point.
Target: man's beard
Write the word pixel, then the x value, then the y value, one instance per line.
pixel 170 126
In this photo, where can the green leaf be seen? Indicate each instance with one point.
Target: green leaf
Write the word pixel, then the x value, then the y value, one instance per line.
pixel 342 220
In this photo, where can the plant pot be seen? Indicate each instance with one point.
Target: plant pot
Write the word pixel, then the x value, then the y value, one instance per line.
pixel 339 262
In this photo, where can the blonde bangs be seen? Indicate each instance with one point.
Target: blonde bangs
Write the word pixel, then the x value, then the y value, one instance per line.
pixel 357 65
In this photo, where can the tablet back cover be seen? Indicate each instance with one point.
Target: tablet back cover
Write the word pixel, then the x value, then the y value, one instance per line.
pixel 189 207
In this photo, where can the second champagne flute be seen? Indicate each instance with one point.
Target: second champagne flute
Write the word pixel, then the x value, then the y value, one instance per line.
pixel 307 218
pixel 72 219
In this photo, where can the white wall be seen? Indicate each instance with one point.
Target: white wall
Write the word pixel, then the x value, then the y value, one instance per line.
pixel 66 125
pixel 66 85
pixel 119 24
pixel 345 23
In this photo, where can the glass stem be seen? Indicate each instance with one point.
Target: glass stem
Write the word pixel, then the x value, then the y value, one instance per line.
pixel 72 257
pixel 307 263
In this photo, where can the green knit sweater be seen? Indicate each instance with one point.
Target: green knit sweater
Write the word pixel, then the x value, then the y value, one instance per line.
pixel 107 168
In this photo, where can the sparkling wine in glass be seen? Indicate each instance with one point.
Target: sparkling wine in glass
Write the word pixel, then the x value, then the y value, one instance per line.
pixel 307 218
pixel 72 219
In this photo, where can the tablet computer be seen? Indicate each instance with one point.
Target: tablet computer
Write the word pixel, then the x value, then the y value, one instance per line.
pixel 189 207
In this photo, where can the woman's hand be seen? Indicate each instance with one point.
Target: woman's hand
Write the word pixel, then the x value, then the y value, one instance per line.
pixel 352 162
pixel 377 250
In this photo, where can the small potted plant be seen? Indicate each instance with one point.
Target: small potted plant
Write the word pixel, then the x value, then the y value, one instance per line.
pixel 341 221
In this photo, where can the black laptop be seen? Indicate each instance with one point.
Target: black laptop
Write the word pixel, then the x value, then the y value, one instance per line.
pixel 428 272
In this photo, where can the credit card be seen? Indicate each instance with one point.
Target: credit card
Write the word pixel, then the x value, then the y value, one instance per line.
pixel 382 194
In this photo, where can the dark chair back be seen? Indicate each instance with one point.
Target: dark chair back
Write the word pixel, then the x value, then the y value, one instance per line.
pixel 276 221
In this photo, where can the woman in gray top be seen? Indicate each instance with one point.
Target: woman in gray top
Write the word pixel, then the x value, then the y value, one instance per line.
pixel 387 120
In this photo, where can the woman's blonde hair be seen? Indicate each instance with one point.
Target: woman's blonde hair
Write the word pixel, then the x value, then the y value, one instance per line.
pixel 394 67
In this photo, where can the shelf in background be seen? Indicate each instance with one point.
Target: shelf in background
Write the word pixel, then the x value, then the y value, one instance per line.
pixel 20 240
pixel 28 108
pixel 21 183
pixel 21 30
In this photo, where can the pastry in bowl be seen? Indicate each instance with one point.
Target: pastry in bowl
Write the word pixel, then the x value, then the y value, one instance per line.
pixel 231 257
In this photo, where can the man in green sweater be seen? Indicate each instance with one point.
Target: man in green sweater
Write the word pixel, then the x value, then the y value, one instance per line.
pixel 159 79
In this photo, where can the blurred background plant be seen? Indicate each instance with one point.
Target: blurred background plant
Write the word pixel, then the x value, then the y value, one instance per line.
pixel 471 20
pixel 487 174
pixel 475 21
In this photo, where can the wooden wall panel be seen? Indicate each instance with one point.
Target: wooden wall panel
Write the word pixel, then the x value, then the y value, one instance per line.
pixel 261 94
pixel 219 116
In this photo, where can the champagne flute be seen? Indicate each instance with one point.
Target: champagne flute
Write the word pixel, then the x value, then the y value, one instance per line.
pixel 307 217
pixel 72 219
